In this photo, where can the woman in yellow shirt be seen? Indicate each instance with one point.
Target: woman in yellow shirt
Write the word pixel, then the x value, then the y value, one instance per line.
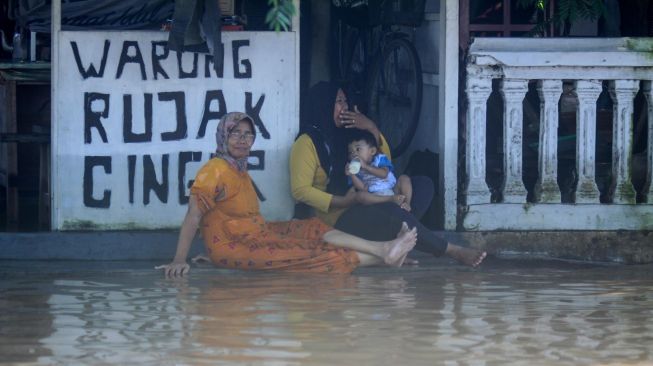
pixel 318 181
pixel 224 204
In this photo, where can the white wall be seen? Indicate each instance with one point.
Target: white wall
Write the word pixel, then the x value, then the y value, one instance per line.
pixel 102 182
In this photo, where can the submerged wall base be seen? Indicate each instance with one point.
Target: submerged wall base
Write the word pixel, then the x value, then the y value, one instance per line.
pixel 104 245
pixel 627 247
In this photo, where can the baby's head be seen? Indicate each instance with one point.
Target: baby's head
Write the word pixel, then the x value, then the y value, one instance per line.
pixel 362 144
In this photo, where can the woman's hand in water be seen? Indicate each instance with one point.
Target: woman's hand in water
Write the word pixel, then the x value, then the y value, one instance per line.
pixel 356 119
pixel 175 269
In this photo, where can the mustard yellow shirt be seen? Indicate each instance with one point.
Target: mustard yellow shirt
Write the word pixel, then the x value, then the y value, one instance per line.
pixel 308 180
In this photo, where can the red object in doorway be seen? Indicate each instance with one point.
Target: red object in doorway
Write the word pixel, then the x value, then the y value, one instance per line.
pixel 232 28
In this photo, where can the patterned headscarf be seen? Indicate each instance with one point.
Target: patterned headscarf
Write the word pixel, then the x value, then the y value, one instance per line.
pixel 227 123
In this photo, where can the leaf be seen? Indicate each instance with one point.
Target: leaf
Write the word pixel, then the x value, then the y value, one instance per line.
pixel 280 14
pixel 283 18
pixel 269 16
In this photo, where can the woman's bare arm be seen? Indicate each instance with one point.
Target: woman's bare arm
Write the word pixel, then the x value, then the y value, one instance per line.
pixel 178 266
pixel 348 200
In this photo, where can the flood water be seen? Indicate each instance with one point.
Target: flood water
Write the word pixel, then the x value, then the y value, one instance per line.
pixel 508 312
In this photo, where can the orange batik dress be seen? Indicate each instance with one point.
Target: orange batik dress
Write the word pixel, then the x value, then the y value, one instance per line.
pixel 237 236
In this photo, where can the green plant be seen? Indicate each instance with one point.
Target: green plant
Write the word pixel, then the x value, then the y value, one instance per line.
pixel 280 14
pixel 566 12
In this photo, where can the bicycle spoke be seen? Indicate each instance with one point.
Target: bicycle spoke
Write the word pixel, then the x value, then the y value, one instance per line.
pixel 396 94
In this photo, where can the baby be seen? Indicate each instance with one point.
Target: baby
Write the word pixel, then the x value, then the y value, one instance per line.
pixel 374 181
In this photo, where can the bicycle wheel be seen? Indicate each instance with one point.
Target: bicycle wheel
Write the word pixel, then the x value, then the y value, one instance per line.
pixel 395 93
pixel 356 61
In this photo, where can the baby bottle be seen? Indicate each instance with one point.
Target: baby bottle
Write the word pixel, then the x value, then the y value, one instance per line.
pixel 354 166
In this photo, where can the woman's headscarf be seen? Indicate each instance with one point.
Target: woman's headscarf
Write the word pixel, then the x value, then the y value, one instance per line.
pixel 329 140
pixel 227 123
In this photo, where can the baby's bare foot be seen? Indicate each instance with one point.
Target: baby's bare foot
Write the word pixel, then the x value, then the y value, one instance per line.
pixel 399 199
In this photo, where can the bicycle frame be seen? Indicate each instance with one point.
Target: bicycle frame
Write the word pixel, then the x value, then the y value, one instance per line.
pixel 362 55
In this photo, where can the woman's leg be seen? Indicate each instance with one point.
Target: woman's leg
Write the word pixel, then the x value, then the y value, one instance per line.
pixel 368 260
pixel 381 222
pixel 423 192
pixel 391 252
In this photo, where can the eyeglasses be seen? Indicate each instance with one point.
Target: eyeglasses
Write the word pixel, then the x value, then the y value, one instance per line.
pixel 247 136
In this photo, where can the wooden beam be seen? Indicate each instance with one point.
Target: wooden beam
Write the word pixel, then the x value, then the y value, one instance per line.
pixel 25 137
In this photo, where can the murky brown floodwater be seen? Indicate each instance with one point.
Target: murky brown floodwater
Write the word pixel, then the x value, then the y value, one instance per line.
pixel 507 312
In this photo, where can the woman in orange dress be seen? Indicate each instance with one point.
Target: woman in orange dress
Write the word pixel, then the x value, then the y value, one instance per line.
pixel 223 203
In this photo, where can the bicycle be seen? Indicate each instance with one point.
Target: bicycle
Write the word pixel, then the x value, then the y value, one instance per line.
pixel 379 61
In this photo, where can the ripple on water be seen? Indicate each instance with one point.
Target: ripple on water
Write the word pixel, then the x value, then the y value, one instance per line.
pixel 494 315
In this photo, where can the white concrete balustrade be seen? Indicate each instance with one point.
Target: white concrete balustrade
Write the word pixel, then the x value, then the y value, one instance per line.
pixel 627 66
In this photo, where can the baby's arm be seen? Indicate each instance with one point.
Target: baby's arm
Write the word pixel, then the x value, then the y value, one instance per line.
pixel 380 166
pixel 375 171
pixel 358 183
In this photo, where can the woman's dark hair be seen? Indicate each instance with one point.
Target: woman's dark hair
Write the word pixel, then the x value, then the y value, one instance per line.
pixel 361 135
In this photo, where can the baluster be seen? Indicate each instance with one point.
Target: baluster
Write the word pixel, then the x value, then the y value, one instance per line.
pixel 587 92
pixel 623 93
pixel 648 187
pixel 546 188
pixel 513 91
pixel 478 90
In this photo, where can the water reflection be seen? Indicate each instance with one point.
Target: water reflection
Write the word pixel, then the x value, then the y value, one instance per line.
pixel 505 313
pixel 24 319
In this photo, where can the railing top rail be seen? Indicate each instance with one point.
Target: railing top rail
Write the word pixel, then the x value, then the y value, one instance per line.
pixel 550 52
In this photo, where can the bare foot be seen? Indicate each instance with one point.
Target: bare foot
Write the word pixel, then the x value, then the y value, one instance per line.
pixel 405 206
pixel 410 262
pixel 398 248
pixel 399 199
pixel 404 229
pixel 467 256
pixel 405 259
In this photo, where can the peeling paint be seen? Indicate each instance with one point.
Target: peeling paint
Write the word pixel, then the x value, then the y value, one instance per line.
pixel 87 225
pixel 644 45
pixel 80 225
